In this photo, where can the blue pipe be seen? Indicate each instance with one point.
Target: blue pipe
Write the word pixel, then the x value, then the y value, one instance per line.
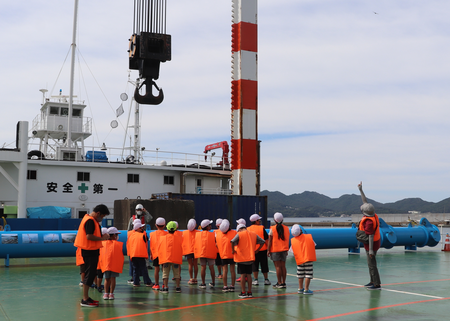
pixel 32 244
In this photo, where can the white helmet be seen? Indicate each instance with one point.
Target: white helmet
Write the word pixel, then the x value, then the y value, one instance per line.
pixel 139 207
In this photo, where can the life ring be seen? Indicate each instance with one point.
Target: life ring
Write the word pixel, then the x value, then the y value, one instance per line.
pixel 35 154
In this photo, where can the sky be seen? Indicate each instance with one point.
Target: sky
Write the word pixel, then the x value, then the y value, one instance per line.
pixel 349 90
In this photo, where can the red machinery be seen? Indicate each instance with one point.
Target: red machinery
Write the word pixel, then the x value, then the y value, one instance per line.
pixel 225 150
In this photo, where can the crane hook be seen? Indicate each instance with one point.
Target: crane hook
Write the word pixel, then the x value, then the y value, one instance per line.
pixel 149 98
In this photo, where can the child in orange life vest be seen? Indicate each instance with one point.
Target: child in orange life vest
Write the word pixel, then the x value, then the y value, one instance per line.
pixel 304 249
pixel 170 256
pixel 111 257
pixel 244 246
pixel 223 241
pixel 205 249
pixel 218 258
pixel 99 278
pixel 188 250
pixel 137 246
pixel 80 263
pixel 278 248
pixel 154 243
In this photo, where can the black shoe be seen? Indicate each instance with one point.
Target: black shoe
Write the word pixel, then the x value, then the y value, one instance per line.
pixel 243 295
pixel 178 290
pixel 368 284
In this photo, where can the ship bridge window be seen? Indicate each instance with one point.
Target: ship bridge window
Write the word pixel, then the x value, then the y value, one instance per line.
pixel 83 176
pixel 168 180
pixel 69 156
pixel 64 111
pixel 54 110
pixel 31 174
pixel 133 178
pixel 76 113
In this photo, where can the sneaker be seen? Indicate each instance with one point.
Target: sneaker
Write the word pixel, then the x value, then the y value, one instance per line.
pixel 106 296
pixel 225 289
pixel 136 285
pixel 249 295
pixel 267 282
pixel 374 287
pixel 164 290
pixel 88 304
pixel 277 286
pixel 178 290
pixel 94 286
pixel 307 292
pixel 368 285
pixel 190 282
pixel 300 291
pixel 255 282
pixel 155 287
pixel 130 281
pixel 100 288
pixel 150 285
pixel 219 276
pixel 111 296
pixel 238 279
pixel 95 301
pixel 243 295
pixel 81 284
pixel 202 286
pixel 231 289
pixel 283 285
pixel 212 285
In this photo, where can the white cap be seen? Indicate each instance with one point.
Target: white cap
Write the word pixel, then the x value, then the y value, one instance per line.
pixel 139 207
pixel 137 224
pixel 205 223
pixel 218 221
pixel 278 217
pixel 113 230
pixel 176 223
pixel 224 226
pixel 191 224
pixel 241 221
pixel 160 221
pixel 255 217
pixel 104 230
pixel 296 230
pixel 240 226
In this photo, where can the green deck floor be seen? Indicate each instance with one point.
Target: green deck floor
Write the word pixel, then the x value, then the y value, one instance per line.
pixel 416 286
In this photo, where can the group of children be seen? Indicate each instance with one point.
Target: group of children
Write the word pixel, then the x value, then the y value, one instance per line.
pixel 248 247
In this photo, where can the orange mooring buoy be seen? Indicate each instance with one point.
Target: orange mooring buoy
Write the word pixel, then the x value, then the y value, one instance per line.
pixel 446 243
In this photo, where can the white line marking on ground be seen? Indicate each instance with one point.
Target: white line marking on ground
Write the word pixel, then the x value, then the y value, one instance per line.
pixel 384 289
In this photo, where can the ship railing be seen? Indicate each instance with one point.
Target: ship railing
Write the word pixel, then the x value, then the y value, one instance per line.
pixel 55 123
pixel 146 157
pixel 217 191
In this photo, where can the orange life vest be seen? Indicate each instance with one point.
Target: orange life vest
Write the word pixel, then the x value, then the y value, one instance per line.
pixel 137 246
pixel 79 257
pixel 245 250
pixel 170 248
pixel 111 256
pixel 205 245
pixel 154 242
pixel 376 224
pixel 128 243
pixel 278 245
pixel 304 248
pixel 189 241
pixel 223 241
pixel 81 240
pixel 142 218
pixel 259 230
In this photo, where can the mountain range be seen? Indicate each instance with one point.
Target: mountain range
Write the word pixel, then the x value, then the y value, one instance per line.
pixel 313 204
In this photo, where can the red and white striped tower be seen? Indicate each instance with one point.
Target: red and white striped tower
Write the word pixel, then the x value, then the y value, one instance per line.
pixel 244 99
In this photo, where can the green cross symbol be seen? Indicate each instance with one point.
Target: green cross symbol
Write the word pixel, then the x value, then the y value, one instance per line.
pixel 83 188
